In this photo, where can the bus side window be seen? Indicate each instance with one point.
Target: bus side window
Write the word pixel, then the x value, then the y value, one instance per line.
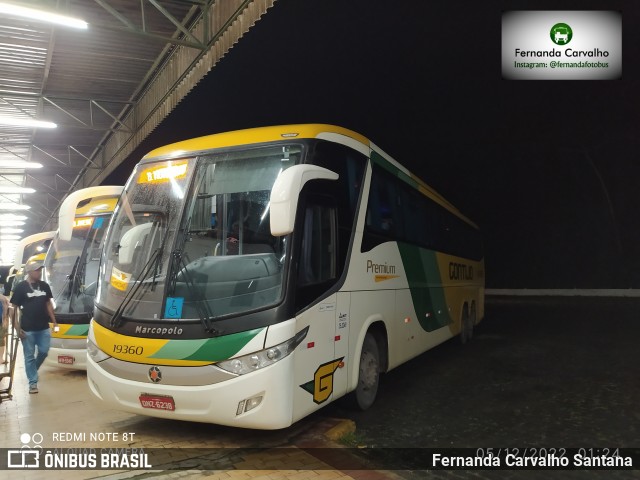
pixel 317 266
pixel 385 211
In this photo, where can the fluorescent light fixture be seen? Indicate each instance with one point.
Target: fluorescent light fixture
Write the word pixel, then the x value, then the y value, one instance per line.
pixel 12 216
pixel 11 223
pixel 14 206
pixel 19 164
pixel 42 16
pixel 25 122
pixel 9 237
pixel 10 230
pixel 10 190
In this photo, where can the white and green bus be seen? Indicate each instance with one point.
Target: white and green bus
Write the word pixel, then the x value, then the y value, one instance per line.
pixel 249 278
pixel 71 269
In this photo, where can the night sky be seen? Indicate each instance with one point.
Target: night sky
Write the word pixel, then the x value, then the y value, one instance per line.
pixel 549 170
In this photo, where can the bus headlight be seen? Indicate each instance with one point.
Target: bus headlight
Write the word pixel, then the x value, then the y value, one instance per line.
pixel 263 358
pixel 95 353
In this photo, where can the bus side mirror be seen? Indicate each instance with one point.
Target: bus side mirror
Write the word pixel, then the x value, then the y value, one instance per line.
pixel 285 192
pixel 68 208
pixel 130 240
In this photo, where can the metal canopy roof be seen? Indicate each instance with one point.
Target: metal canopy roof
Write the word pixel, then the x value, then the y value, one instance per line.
pixel 106 87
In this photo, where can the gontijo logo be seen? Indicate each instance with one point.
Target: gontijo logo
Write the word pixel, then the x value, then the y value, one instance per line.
pixel 561 34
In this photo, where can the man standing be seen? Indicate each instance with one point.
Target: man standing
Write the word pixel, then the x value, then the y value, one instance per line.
pixel 33 297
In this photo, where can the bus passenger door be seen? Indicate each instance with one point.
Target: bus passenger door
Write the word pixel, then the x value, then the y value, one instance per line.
pixel 316 360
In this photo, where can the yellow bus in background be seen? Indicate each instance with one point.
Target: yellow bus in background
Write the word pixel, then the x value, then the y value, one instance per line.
pixel 36 247
pixel 71 270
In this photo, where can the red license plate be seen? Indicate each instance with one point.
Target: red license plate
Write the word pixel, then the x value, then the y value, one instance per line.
pixel 159 402
pixel 66 359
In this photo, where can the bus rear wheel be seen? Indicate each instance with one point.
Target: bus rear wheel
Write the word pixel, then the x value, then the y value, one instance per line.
pixel 466 334
pixel 368 375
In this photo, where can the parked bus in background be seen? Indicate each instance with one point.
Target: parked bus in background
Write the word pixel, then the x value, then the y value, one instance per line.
pixel 249 278
pixel 71 270
pixel 34 247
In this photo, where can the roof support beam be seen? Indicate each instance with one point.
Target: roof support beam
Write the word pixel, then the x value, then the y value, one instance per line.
pixel 220 23
pixel 49 155
pixel 132 28
pixel 177 24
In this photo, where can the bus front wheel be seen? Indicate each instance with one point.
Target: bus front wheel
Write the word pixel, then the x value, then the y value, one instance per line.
pixel 368 375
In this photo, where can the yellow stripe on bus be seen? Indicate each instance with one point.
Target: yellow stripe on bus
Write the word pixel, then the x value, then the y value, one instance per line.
pixel 136 349
pixel 251 136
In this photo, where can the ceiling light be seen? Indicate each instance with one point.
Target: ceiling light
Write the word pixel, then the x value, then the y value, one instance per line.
pixel 25 122
pixel 19 164
pixel 9 237
pixel 11 223
pixel 10 190
pixel 12 216
pixel 14 206
pixel 11 230
pixel 43 16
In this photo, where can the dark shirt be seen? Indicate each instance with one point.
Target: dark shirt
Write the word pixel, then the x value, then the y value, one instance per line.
pixel 33 300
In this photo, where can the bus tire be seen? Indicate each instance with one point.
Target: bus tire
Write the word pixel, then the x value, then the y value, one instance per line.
pixel 466 332
pixel 473 319
pixel 368 374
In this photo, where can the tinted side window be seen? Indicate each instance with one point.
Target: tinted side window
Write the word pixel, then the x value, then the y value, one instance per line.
pixel 398 212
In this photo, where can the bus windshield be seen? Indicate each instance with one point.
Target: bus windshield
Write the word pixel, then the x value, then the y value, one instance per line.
pixel 72 266
pixel 137 247
pixel 218 258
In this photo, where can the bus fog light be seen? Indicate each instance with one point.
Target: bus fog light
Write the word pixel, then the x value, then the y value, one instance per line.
pixel 252 403
pixel 249 404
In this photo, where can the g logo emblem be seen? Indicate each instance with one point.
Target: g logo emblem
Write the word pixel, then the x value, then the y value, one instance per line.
pixel 155 375
pixel 321 387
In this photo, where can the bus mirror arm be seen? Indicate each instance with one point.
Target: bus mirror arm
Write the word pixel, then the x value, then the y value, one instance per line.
pixel 68 208
pixel 285 192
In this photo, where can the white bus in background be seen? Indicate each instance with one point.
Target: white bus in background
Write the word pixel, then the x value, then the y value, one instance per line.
pixel 71 270
pixel 249 278
pixel 36 246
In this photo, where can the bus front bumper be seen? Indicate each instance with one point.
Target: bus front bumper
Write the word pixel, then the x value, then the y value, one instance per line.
pixel 67 353
pixel 261 399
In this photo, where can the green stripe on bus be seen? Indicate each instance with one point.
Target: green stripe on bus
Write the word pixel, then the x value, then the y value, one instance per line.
pixel 421 268
pixel 209 350
pixel 78 330
pixel 392 169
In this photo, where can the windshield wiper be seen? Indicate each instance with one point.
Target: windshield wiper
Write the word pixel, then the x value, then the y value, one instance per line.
pixel 161 250
pixel 177 261
pixel 202 306
pixel 114 322
pixel 152 263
